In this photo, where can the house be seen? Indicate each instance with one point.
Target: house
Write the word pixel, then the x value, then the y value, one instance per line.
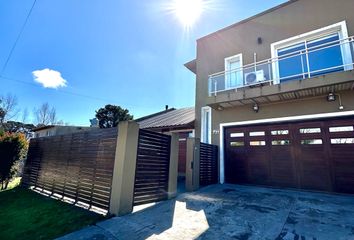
pixel 54 130
pixel 275 93
pixel 180 121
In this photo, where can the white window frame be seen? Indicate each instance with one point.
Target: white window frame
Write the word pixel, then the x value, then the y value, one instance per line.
pixel 205 136
pixel 227 69
pixel 340 28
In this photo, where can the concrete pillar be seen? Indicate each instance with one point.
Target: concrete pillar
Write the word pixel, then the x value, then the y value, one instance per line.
pixel 192 164
pixel 124 169
pixel 173 171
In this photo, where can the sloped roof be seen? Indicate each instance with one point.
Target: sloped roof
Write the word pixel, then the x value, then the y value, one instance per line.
pixel 168 119
pixel 192 66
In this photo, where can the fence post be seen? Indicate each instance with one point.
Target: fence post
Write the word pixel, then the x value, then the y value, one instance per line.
pixel 173 170
pixel 192 164
pixel 124 169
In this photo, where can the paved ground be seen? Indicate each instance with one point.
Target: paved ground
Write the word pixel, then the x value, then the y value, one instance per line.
pixel 235 212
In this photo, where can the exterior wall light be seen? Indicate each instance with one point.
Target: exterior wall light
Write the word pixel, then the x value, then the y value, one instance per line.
pixel 220 108
pixel 255 107
pixel 331 97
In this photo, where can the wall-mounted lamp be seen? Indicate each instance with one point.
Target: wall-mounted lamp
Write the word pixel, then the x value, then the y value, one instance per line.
pixel 331 97
pixel 255 107
pixel 220 108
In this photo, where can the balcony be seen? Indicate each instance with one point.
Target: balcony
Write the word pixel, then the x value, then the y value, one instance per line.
pixel 297 62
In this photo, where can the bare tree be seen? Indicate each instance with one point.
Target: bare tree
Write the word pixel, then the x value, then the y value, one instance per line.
pixel 45 115
pixel 25 114
pixel 8 107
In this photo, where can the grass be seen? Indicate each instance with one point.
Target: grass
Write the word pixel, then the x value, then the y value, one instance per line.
pixel 25 214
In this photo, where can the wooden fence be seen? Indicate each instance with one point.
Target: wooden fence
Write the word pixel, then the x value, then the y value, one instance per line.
pixel 152 167
pixel 78 166
pixel 208 164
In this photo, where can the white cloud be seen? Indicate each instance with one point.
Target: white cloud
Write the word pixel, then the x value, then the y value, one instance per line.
pixel 49 78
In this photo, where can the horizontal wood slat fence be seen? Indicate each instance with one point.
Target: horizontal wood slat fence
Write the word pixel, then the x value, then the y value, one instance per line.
pixel 78 166
pixel 152 167
pixel 208 164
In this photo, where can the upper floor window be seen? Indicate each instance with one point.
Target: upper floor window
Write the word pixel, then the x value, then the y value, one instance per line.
pixel 233 71
pixel 318 52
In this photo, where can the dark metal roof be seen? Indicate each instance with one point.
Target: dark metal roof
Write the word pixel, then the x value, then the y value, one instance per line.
pixel 169 119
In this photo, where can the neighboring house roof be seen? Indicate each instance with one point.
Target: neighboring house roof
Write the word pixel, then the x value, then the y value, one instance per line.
pixel 42 128
pixel 53 126
pixel 171 118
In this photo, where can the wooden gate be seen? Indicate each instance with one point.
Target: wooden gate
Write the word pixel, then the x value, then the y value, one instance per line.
pixel 76 166
pixel 152 167
pixel 208 173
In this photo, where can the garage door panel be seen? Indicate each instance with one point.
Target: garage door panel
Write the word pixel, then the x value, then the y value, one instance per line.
pixel 344 185
pixel 344 161
pixel 313 155
pixel 235 164
pixel 316 155
pixel 341 136
pixel 258 176
pixel 236 174
pixel 318 179
pixel 344 178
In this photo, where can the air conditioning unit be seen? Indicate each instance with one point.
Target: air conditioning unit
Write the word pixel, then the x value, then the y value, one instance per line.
pixel 254 77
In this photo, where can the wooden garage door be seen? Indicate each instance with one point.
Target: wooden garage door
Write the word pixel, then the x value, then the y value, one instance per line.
pixel 316 155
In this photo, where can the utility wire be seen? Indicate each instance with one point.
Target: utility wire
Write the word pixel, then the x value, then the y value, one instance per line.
pixel 71 93
pixel 59 90
pixel 32 84
pixel 18 38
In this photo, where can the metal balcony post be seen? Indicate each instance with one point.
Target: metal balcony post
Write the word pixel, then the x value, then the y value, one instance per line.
pixel 307 60
pixel 270 72
pixel 302 65
pixel 215 87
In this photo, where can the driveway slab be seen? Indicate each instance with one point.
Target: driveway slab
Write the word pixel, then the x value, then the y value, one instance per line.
pixel 235 212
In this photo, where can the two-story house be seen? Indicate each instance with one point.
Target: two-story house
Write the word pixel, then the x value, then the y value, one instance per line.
pixel 275 93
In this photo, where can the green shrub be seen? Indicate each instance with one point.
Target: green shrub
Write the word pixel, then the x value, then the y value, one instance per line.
pixel 13 148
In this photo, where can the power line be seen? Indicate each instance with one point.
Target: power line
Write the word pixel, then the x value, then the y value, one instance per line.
pixel 72 93
pixel 18 37
pixel 35 85
pixel 59 90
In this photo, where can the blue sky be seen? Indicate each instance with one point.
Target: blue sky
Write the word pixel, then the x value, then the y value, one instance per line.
pixel 127 53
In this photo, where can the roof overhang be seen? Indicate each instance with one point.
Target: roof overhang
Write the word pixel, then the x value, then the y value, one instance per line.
pixel 192 66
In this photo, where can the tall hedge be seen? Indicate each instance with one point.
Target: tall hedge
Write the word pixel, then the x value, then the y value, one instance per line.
pixel 13 148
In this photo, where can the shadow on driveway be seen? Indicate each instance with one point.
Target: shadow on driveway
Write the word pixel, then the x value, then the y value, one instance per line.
pixel 235 212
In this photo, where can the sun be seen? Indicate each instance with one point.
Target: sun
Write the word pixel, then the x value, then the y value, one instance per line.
pixel 188 11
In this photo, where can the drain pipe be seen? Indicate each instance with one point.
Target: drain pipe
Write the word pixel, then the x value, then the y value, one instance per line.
pixel 255 61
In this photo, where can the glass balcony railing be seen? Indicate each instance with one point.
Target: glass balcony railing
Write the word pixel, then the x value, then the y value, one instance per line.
pixel 300 61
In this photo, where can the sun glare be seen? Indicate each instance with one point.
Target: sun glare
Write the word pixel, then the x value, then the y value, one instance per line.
pixel 188 11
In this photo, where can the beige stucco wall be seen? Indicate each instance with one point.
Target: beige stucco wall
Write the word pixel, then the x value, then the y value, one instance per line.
pixel 316 105
pixel 290 20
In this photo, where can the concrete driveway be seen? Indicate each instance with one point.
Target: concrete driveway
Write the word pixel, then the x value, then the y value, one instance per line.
pixel 235 212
